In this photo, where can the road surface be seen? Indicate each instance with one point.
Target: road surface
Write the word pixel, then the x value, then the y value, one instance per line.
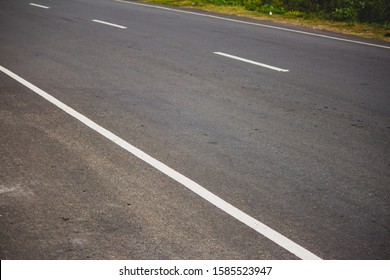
pixel 256 140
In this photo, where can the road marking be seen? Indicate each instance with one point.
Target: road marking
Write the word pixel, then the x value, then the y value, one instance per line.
pixel 4 189
pixel 255 24
pixel 252 62
pixel 258 226
pixel 110 24
pixel 39 6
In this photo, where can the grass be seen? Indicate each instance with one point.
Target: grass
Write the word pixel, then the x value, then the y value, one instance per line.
pixel 318 22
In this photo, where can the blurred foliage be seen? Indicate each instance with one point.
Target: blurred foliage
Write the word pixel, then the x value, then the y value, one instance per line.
pixel 370 11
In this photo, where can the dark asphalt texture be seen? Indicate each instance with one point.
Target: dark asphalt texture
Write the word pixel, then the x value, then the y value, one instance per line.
pixel 307 152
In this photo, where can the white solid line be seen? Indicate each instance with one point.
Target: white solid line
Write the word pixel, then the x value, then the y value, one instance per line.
pixel 110 24
pixel 258 226
pixel 39 6
pixel 252 62
pixel 255 24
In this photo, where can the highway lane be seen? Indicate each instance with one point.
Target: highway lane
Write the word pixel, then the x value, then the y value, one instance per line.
pixel 305 152
pixel 67 194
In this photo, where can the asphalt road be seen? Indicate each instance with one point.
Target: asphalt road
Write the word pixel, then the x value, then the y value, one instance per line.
pixel 306 152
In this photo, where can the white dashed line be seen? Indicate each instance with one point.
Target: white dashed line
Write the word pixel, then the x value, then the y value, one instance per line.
pixel 251 62
pixel 251 222
pixel 110 24
pixel 39 6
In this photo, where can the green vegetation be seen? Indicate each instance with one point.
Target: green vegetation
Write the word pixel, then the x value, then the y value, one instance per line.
pixel 369 18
